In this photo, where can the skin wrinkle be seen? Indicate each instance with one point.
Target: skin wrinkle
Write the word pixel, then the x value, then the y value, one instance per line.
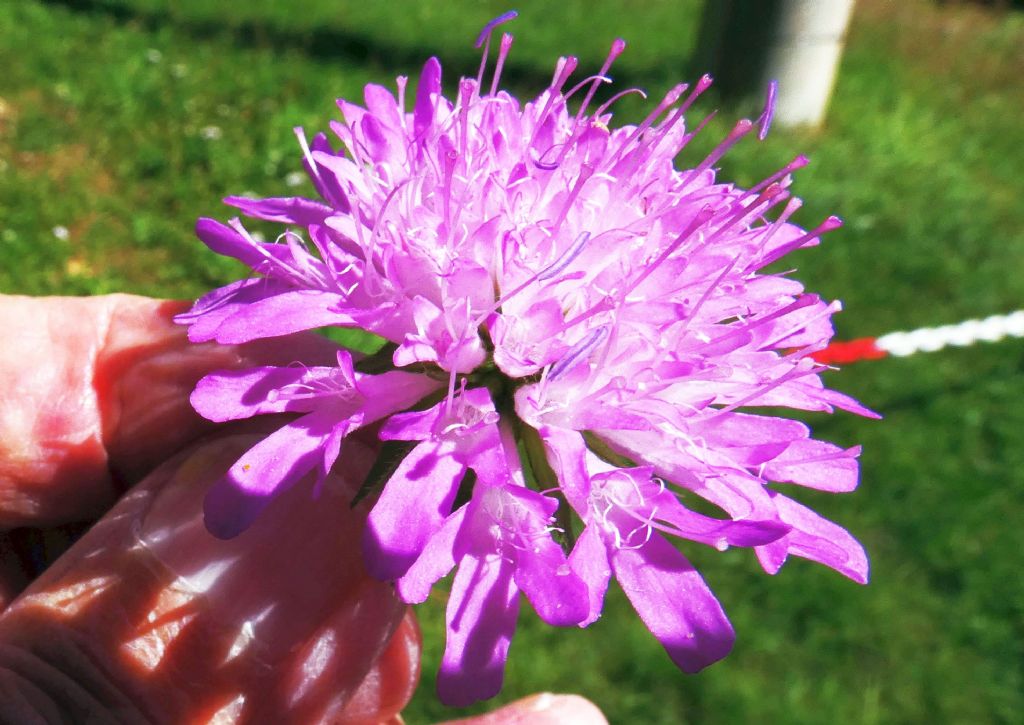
pixel 145 366
pixel 57 680
pixel 120 605
pixel 21 701
pixel 60 651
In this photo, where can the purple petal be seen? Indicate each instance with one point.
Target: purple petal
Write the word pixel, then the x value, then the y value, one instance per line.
pixel 428 87
pixel 413 351
pixel 272 465
pixel 816 464
pixel 589 559
pixel 845 402
pixel 331 448
pixel 814 538
pixel 325 182
pixel 283 314
pixel 374 137
pixel 437 559
pixel 352 113
pixel 226 241
pixel 557 594
pixel 566 454
pixel 481 618
pixel 238 394
pixel 675 604
pixel 416 425
pixel 740 495
pixel 470 425
pixel 741 429
pixel 213 308
pixel 283 210
pixel 382 104
pixel 411 509
pixel 715 532
pixel 392 391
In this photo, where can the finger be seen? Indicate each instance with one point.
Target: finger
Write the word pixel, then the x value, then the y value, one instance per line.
pixel 543 709
pixel 148 611
pixel 95 393
pixel 388 686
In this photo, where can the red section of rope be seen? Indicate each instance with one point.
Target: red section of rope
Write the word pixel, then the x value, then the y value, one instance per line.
pixel 843 353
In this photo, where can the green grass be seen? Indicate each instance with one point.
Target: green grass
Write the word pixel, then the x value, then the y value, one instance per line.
pixel 921 154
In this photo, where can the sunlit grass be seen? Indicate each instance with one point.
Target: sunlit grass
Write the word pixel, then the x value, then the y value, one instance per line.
pixel 123 120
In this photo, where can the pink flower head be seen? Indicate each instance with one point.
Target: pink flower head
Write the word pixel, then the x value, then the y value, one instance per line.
pixel 570 318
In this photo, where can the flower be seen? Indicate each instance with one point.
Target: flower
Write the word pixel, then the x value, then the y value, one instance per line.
pixel 577 333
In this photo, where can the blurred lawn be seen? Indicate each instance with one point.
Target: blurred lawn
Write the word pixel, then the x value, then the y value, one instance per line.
pixel 123 120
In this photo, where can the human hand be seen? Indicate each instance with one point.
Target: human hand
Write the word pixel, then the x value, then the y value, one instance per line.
pixel 148 617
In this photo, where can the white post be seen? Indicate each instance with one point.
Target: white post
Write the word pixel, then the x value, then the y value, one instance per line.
pixel 746 43
pixel 804 58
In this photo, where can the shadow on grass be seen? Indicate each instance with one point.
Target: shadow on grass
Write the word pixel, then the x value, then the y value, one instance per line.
pixel 333 44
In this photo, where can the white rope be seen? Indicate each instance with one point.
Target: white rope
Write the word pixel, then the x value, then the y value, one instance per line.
pixel 963 334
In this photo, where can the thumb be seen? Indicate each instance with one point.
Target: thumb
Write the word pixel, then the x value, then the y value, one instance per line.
pixel 542 709
pixel 148 617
